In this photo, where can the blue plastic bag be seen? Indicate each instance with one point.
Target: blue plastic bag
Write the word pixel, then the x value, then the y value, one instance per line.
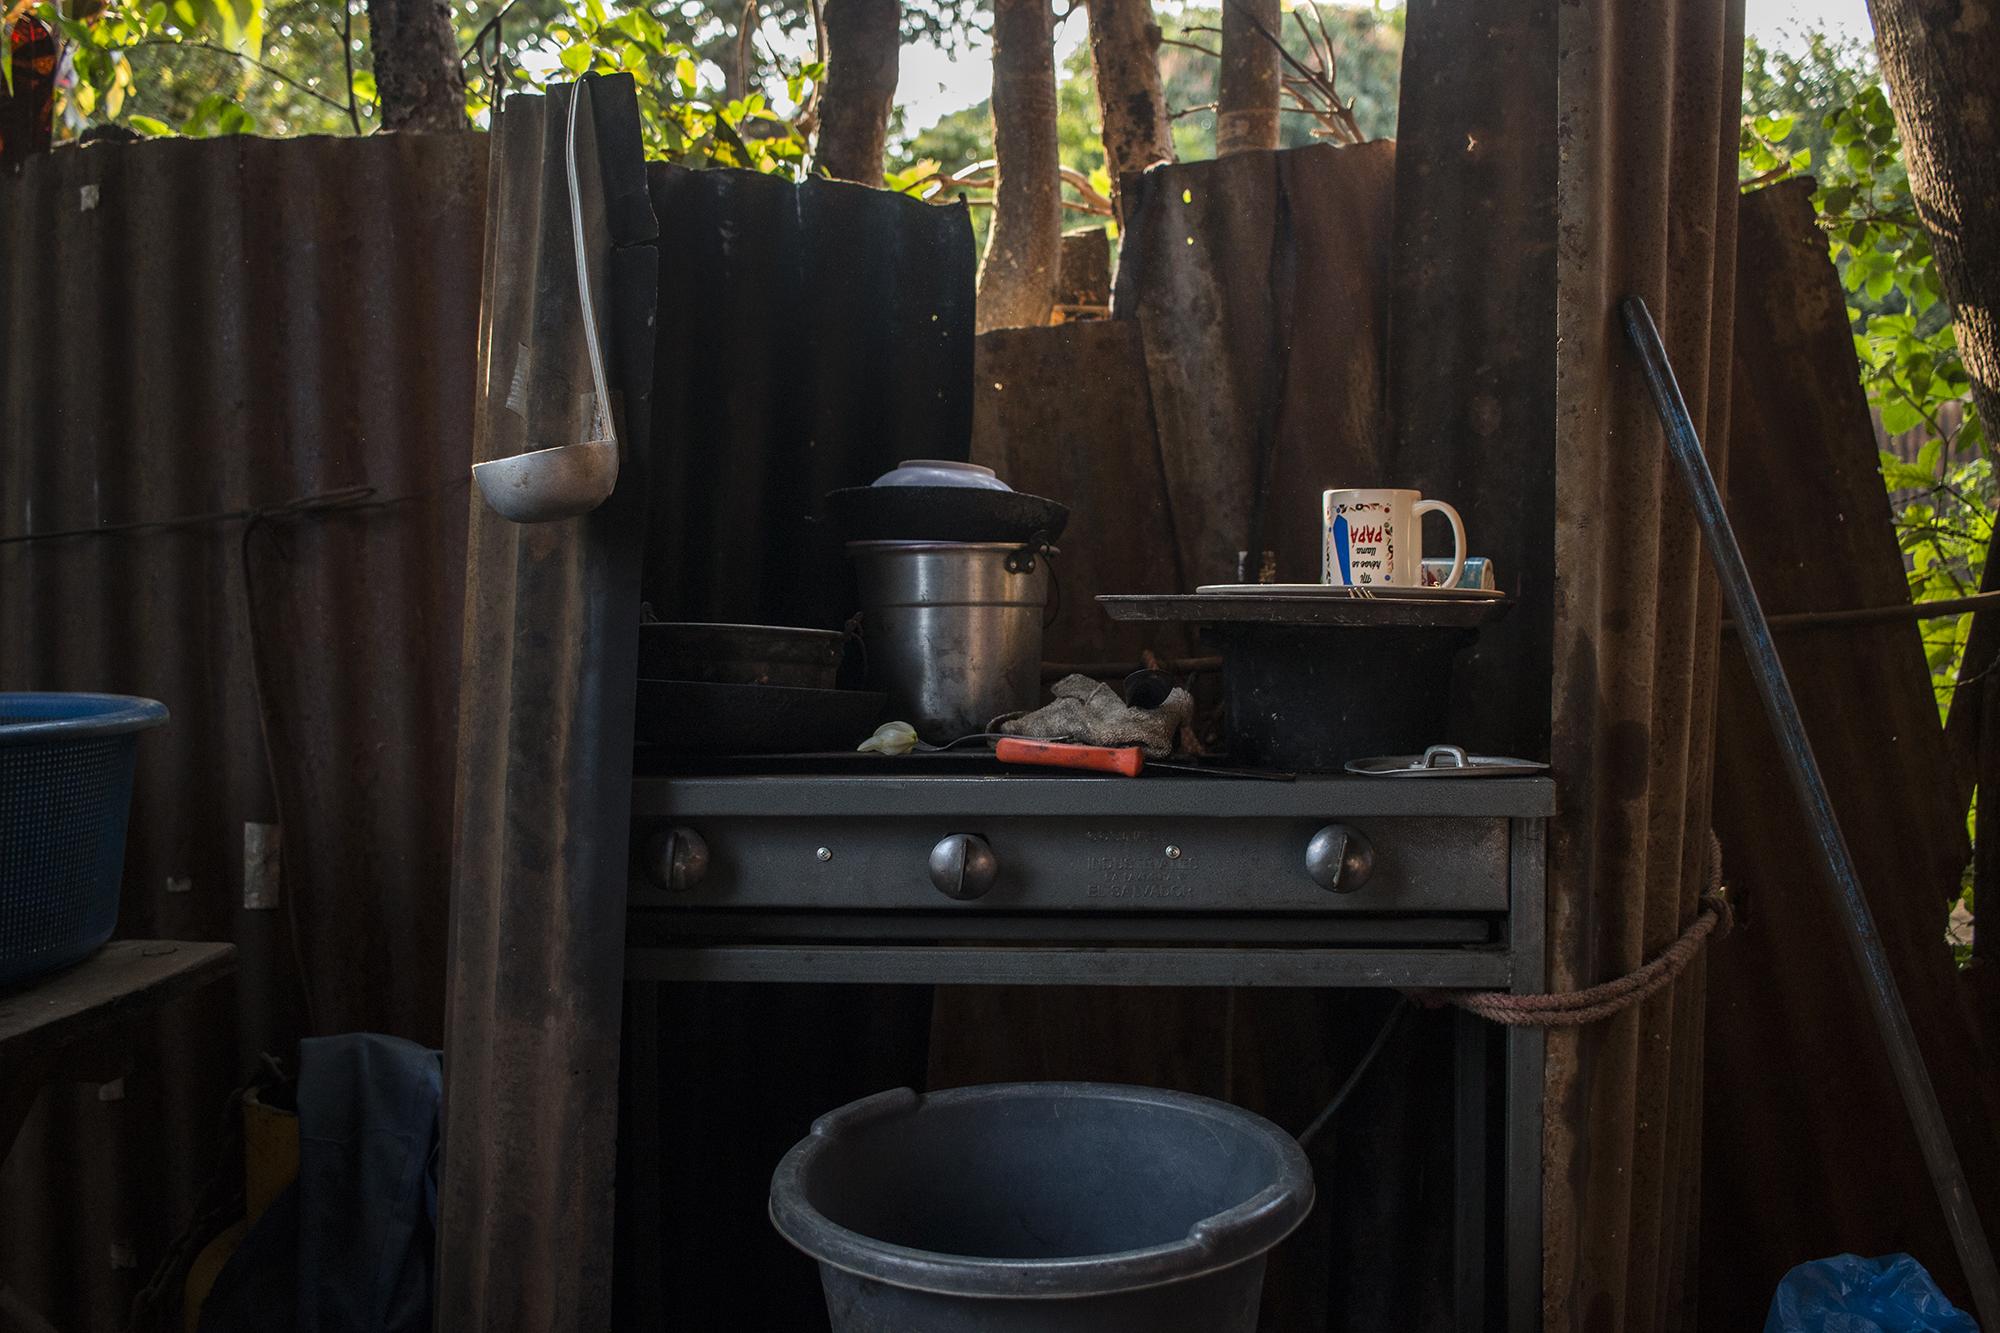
pixel 1849 1294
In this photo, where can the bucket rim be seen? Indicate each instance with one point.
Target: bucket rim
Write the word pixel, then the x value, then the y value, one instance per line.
pixel 96 715
pixel 1222 1240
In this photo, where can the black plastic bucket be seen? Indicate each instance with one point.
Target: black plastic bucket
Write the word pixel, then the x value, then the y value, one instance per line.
pixel 1052 1207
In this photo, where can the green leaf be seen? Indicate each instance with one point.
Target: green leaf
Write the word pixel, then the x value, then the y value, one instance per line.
pixel 156 17
pixel 146 125
pixel 7 56
pixel 1858 157
pixel 1838 200
pixel 1898 416
pixel 575 59
pixel 1879 285
pixel 1927 457
pixel 364 86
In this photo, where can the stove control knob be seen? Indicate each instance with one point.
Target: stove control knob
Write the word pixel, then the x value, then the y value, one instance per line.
pixel 677 859
pixel 1339 859
pixel 963 866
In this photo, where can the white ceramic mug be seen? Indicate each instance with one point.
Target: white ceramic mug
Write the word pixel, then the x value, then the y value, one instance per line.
pixel 1375 539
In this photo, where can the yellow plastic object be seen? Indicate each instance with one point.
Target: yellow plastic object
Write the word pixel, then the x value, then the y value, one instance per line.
pixel 270 1154
pixel 270 1163
pixel 207 1266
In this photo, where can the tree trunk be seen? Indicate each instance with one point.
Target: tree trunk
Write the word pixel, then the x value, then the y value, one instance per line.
pixel 1246 108
pixel 417 76
pixel 1938 59
pixel 1124 55
pixel 1017 277
pixel 863 41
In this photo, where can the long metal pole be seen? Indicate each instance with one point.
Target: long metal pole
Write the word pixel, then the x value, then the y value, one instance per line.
pixel 1754 632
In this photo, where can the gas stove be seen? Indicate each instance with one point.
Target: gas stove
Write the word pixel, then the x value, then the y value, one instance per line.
pixel 1293 876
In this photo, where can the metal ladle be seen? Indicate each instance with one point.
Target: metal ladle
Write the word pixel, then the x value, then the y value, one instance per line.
pixel 565 480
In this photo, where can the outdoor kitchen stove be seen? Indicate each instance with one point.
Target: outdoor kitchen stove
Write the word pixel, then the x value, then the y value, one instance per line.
pixel 949 870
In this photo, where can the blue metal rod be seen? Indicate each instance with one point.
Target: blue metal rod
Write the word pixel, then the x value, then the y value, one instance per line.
pixel 1884 1000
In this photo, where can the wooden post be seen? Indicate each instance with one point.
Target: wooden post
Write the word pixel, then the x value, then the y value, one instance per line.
pixel 863 42
pixel 1246 115
pixel 417 73
pixel 1017 277
pixel 1124 56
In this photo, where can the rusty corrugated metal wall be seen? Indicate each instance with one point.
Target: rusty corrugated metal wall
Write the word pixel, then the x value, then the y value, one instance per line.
pixel 1646 124
pixel 199 328
pixel 550 681
pixel 1794 1059
pixel 1553 158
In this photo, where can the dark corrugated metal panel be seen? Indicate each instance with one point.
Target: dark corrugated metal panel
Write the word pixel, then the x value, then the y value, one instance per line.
pixel 809 336
pixel 1646 127
pixel 1793 1055
pixel 545 748
pixel 1065 412
pixel 1470 370
pixel 1257 282
pixel 190 328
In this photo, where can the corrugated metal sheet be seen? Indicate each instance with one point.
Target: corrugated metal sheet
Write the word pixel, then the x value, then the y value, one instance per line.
pixel 545 752
pixel 1646 124
pixel 1264 343
pixel 809 336
pixel 1793 1055
pixel 195 328
pixel 1472 301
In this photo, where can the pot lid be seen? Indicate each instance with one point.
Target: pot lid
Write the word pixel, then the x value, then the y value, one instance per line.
pixel 1446 761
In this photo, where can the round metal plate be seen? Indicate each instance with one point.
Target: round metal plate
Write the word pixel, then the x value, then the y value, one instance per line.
pixel 1264 608
pixel 1348 594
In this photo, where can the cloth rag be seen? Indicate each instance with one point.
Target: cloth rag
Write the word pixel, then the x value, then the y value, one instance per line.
pixel 1090 712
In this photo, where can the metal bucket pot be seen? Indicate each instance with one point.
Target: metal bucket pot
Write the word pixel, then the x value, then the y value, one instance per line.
pixel 1042 1208
pixel 953 630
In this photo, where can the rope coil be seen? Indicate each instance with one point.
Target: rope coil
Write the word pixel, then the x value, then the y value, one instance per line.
pixel 1593 1003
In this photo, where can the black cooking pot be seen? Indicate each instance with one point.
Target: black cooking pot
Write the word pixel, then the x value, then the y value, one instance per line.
pixel 740 654
pixel 943 514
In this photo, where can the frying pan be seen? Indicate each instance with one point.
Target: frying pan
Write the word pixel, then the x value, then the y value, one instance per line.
pixel 702 717
pixel 942 514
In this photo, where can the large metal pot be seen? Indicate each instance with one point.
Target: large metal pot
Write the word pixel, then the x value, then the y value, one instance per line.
pixel 953 630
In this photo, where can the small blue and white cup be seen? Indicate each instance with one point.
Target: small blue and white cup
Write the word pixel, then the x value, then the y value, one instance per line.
pixel 1478 573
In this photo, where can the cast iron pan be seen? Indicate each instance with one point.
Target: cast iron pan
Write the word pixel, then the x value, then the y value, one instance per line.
pixel 701 717
pixel 942 514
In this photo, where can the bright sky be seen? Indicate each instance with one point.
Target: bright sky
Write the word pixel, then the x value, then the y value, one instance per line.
pixel 933 84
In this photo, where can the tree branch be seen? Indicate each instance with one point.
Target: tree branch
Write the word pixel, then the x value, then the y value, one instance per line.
pixel 347 61
pixel 197 44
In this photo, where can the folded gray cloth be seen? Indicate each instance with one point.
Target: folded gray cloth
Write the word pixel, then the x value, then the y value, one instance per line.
pixel 1090 712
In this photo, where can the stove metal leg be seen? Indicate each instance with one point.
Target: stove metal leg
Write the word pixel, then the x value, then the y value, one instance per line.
pixel 1526 1050
pixel 1471 1102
